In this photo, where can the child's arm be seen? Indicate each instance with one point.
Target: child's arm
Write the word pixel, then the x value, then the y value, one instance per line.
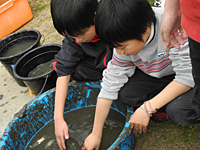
pixel 94 139
pixel 170 92
pixel 61 128
pixel 182 82
pixel 140 119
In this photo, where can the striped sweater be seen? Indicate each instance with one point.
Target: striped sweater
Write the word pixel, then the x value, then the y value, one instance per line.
pixel 153 60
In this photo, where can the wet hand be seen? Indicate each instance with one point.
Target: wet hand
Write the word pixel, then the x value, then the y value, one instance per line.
pixel 61 132
pixel 139 121
pixel 92 142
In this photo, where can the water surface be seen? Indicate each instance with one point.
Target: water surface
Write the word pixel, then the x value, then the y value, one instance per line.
pixel 17 48
pixel 41 69
pixel 80 123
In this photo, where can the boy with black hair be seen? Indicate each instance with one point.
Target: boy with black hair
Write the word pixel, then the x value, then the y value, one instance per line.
pixel 83 55
pixel 141 74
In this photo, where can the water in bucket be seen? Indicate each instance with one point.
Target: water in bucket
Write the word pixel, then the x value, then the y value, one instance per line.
pixel 80 123
pixel 17 48
pixel 41 69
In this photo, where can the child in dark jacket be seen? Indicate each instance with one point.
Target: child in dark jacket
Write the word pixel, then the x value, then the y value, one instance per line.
pixel 83 56
pixel 141 73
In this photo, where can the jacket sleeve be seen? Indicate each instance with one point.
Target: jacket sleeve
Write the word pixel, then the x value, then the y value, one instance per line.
pixel 119 69
pixel 181 64
pixel 68 57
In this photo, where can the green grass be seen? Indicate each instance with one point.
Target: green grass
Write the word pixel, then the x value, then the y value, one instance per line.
pixel 40 7
pixel 169 135
pixel 182 133
pixel 188 134
pixel 151 2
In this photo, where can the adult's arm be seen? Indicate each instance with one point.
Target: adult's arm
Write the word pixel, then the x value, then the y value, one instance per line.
pixel 171 25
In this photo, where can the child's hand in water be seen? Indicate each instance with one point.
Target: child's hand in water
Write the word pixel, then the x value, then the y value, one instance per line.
pixel 92 142
pixel 61 132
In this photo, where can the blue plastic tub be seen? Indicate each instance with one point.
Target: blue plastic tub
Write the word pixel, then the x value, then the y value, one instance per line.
pixel 39 112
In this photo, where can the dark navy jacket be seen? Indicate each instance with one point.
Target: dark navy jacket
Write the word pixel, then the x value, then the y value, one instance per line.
pixel 73 52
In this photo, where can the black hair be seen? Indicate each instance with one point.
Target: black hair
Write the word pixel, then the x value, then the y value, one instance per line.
pixel 73 16
pixel 118 21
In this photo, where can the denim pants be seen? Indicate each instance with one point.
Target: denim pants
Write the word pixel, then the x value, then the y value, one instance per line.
pixel 142 87
pixel 195 59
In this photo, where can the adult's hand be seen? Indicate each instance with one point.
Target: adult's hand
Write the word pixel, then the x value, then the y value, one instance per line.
pixel 171 29
pixel 61 132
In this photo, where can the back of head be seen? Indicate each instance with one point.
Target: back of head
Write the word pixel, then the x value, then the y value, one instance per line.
pixel 73 16
pixel 118 21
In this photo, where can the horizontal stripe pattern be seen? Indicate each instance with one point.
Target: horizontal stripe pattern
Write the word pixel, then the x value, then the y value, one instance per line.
pixel 119 62
pixel 152 67
pixel 185 40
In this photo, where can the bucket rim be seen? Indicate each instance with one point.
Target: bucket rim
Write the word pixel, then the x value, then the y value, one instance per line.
pixel 45 75
pixel 22 52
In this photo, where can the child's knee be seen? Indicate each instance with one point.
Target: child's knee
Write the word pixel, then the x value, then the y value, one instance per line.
pixel 181 115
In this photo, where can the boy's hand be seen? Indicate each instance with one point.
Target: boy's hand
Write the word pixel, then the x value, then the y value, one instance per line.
pixel 61 132
pixel 139 121
pixel 92 142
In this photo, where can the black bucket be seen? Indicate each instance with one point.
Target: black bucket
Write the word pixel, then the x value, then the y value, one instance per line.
pixel 31 60
pixel 32 37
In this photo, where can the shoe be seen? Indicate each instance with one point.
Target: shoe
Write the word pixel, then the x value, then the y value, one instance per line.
pixel 159 117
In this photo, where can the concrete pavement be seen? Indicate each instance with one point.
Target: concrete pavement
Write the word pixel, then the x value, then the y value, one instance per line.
pixel 12 98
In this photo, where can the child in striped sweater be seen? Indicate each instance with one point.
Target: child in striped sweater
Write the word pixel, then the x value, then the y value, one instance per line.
pixel 141 73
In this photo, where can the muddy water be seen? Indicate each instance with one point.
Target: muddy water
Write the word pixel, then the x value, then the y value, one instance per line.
pixel 80 124
pixel 17 48
pixel 41 69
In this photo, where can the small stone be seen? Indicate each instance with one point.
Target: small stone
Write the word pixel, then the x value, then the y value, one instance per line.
pixel 13 97
pixel 1 96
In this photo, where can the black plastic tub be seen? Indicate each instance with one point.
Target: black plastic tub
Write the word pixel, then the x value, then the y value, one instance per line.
pixel 37 114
